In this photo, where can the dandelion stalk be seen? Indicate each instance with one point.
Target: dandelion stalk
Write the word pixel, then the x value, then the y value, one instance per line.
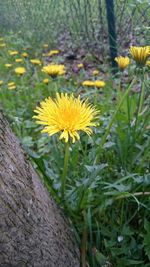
pixel 64 174
pixel 103 140
pixel 142 95
pixel 121 81
pixel 140 104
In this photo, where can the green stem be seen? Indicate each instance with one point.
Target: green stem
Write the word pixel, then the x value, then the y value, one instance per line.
pixel 112 120
pixel 128 110
pixel 121 80
pixel 141 97
pixel 140 104
pixel 64 174
pixel 136 194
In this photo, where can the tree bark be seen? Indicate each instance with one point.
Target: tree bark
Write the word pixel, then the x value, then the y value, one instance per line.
pixel 33 230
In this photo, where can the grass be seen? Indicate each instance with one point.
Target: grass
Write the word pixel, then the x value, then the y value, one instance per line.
pixel 107 191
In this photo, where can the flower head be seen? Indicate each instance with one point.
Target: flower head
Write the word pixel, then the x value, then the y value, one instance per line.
pixel 12 53
pixel 54 70
pixel 66 114
pixel 95 72
pixel 88 83
pixel 99 84
pixel 35 61
pixel 80 65
pixel 148 63
pixel 18 60
pixel 25 54
pixel 52 52
pixel 45 45
pixel 8 65
pixel 123 62
pixel 1 82
pixel 11 85
pixel 140 54
pixel 46 81
pixel 20 70
pixel 2 45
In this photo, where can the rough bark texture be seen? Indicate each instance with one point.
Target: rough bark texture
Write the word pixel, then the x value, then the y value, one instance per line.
pixel 32 228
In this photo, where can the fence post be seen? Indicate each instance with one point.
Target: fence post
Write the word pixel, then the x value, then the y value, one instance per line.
pixel 111 32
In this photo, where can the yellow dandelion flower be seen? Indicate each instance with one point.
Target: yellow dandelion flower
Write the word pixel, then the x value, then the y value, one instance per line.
pixel 20 70
pixel 2 45
pixel 8 65
pixel 13 53
pixel 95 72
pixel 24 54
pixel 1 82
pixel 54 70
pixel 45 45
pixel 88 83
pixel 11 85
pixel 80 65
pixel 67 115
pixel 35 61
pixel 123 62
pixel 46 81
pixel 18 60
pixel 99 83
pixel 148 63
pixel 140 54
pixel 52 52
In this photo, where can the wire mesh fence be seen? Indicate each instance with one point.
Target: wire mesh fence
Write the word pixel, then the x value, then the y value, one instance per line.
pixel 77 22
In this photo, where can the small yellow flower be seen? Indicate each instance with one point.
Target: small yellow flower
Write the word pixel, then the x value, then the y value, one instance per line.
pixel 95 72
pixel 88 83
pixel 123 62
pixel 20 70
pixel 140 54
pixel 11 85
pixel 24 54
pixel 8 65
pixel 46 81
pixel 35 61
pixel 99 84
pixel 1 82
pixel 18 60
pixel 54 70
pixel 13 53
pixel 148 63
pixel 52 52
pixel 80 65
pixel 45 45
pixel 66 114
pixel 2 45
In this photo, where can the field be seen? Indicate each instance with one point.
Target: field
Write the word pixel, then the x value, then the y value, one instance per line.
pixel 100 178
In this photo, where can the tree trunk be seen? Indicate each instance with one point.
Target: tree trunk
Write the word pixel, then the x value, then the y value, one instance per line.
pixel 34 232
